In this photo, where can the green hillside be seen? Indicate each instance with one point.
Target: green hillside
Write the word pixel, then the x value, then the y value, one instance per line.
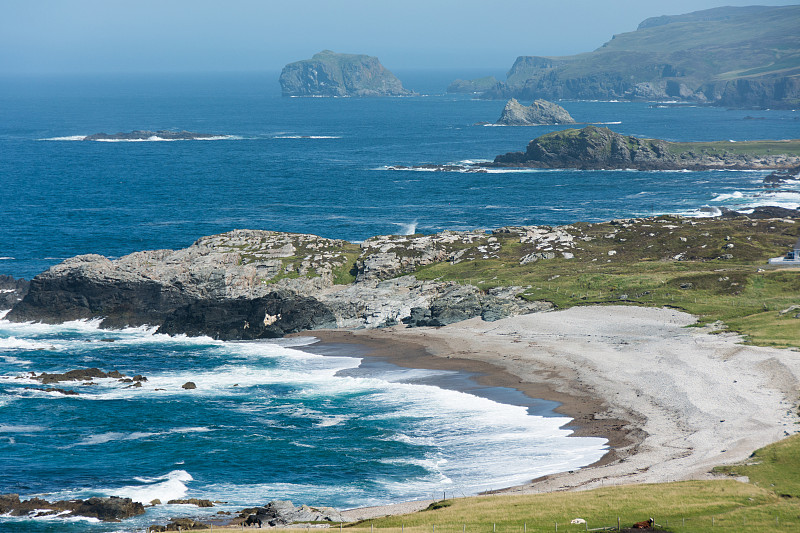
pixel 732 56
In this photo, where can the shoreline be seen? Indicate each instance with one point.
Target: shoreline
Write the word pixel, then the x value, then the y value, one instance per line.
pixel 673 401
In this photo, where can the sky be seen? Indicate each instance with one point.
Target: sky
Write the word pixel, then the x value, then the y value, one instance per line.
pixel 107 36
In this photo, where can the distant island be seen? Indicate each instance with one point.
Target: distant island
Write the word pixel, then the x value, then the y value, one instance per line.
pixel 729 56
pixel 540 112
pixel 145 135
pixel 478 85
pixel 330 74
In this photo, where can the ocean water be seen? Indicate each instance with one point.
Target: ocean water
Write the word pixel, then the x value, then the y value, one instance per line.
pixel 274 420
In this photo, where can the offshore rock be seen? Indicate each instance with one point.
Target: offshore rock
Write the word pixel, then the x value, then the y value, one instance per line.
pixel 540 112
pixel 330 74
pixel 592 148
pixel 111 509
pixel 144 135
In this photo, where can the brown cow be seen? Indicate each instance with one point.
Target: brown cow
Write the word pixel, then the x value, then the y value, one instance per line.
pixel 647 524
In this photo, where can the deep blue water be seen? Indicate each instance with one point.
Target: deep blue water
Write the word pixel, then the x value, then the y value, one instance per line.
pixel 62 198
pixel 269 421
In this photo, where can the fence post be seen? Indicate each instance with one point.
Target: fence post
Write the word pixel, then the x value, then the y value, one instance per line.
pixel 618 529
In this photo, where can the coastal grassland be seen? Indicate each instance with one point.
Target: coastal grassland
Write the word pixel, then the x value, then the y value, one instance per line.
pixel 752 148
pixel 712 268
pixel 695 506
pixel 769 502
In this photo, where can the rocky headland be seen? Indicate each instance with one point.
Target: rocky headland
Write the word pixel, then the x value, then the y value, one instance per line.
pixel 330 74
pixel 592 148
pixel 742 57
pixel 145 135
pixel 249 284
pixel 539 113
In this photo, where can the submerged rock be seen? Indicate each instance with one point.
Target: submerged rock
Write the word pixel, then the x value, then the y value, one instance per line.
pixel 283 512
pixel 145 135
pixel 540 112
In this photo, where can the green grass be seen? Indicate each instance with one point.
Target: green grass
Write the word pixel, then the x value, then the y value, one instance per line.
pixel 757 148
pixel 768 503
pixel 643 271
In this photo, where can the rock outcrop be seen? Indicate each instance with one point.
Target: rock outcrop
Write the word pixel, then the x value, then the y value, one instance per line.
pixel 600 148
pixel 330 74
pixel 249 284
pixel 12 291
pixel 110 509
pixel 283 512
pixel 144 135
pixel 540 112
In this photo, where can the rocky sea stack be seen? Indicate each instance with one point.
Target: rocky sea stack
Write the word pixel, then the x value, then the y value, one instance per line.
pixel 539 113
pixel 330 74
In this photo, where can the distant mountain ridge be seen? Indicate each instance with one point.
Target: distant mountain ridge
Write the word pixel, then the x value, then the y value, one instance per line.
pixel 729 56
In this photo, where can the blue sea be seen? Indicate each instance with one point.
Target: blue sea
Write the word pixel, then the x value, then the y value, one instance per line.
pixel 288 419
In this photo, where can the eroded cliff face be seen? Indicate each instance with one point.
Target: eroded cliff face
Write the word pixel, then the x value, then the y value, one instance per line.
pixel 330 74
pixel 249 284
pixel 540 112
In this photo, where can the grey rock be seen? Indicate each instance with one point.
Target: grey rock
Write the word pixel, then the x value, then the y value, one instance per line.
pixel 12 291
pixel 283 512
pixel 330 74
pixel 189 385
pixel 112 509
pixel 540 112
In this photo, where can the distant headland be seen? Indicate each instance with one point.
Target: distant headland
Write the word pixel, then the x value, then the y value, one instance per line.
pixel 743 57
pixel 330 74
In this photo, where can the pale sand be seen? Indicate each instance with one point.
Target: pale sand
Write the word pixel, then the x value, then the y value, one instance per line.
pixel 691 400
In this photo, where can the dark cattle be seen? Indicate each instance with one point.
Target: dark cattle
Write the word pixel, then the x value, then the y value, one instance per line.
pixel 647 524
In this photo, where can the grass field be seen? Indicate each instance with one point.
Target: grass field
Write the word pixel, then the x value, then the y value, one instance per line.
pixel 713 268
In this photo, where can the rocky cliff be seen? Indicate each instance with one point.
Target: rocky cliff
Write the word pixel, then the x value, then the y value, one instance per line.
pixel 730 56
pixel 249 284
pixel 330 74
pixel 600 148
pixel 540 112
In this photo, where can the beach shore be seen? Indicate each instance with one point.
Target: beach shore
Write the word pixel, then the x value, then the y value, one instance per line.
pixel 673 401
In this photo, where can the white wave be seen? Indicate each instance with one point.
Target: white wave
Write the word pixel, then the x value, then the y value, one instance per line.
pixel 332 420
pixel 728 196
pixel 171 486
pixel 11 360
pixel 13 343
pixel 307 137
pixel 67 138
pixel 4 428
pixel 611 122
pixel 156 138
pixel 112 436
pixel 60 517
pixel 7 258
pixel 406 228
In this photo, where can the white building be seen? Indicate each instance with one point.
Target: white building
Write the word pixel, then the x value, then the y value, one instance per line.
pixel 792 257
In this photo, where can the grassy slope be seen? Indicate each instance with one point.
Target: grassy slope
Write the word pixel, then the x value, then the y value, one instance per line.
pixel 742 45
pixel 663 261
pixel 768 503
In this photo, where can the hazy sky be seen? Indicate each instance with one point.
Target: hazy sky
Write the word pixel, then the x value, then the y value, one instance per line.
pixel 255 35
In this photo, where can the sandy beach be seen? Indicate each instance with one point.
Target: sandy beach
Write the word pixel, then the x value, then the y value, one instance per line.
pixel 673 401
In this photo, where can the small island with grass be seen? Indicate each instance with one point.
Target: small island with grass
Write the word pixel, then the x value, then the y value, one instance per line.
pixel 593 148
